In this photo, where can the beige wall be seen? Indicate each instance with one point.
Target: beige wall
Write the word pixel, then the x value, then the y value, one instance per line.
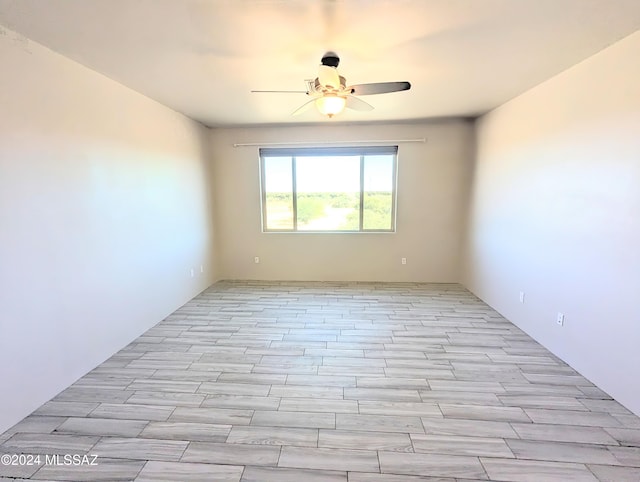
pixel 432 181
pixel 555 212
pixel 105 206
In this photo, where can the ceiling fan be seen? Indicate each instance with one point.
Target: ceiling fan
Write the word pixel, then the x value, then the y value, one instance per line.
pixel 330 91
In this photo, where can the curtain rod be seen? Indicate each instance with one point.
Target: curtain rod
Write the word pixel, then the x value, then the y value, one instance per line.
pixel 311 143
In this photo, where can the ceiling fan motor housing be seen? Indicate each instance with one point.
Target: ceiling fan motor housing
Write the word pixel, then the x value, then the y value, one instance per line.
pixel 330 59
pixel 318 87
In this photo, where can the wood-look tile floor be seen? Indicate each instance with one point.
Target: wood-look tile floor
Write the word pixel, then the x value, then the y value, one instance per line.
pixel 332 382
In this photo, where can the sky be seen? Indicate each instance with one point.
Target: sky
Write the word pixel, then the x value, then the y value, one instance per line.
pixel 318 174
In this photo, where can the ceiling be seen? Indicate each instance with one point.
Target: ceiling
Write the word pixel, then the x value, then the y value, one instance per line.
pixel 203 57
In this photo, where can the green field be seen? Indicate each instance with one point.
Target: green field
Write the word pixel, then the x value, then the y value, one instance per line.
pixel 330 211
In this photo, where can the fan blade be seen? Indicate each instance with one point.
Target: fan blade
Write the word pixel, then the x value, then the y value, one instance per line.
pixel 379 88
pixel 328 77
pixel 303 108
pixel 357 104
pixel 279 92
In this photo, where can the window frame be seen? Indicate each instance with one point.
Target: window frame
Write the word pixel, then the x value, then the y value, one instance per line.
pixel 295 152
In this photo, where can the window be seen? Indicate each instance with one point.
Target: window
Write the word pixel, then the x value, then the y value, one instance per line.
pixel 329 189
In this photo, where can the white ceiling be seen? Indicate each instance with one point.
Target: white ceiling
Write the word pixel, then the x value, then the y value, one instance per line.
pixel 203 57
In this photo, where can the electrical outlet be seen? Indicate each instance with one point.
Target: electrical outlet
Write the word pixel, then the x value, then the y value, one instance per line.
pixel 522 297
pixel 403 260
pixel 202 268
pixel 256 260
pixel 192 272
pixel 560 319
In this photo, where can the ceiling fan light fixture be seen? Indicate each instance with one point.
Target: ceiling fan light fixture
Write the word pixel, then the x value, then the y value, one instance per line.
pixel 330 105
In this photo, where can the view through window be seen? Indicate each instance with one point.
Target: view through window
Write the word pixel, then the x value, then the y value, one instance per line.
pixel 329 189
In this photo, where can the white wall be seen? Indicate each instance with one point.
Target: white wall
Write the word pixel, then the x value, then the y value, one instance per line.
pixel 555 212
pixel 432 182
pixel 105 205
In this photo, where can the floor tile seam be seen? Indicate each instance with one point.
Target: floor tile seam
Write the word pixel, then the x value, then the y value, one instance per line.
pixel 583 465
pixel 378 460
pixel 540 460
pixel 279 456
pixel 567 443
pixel 486 472
pixel 44 466
pixel 477 458
pixel 244 468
